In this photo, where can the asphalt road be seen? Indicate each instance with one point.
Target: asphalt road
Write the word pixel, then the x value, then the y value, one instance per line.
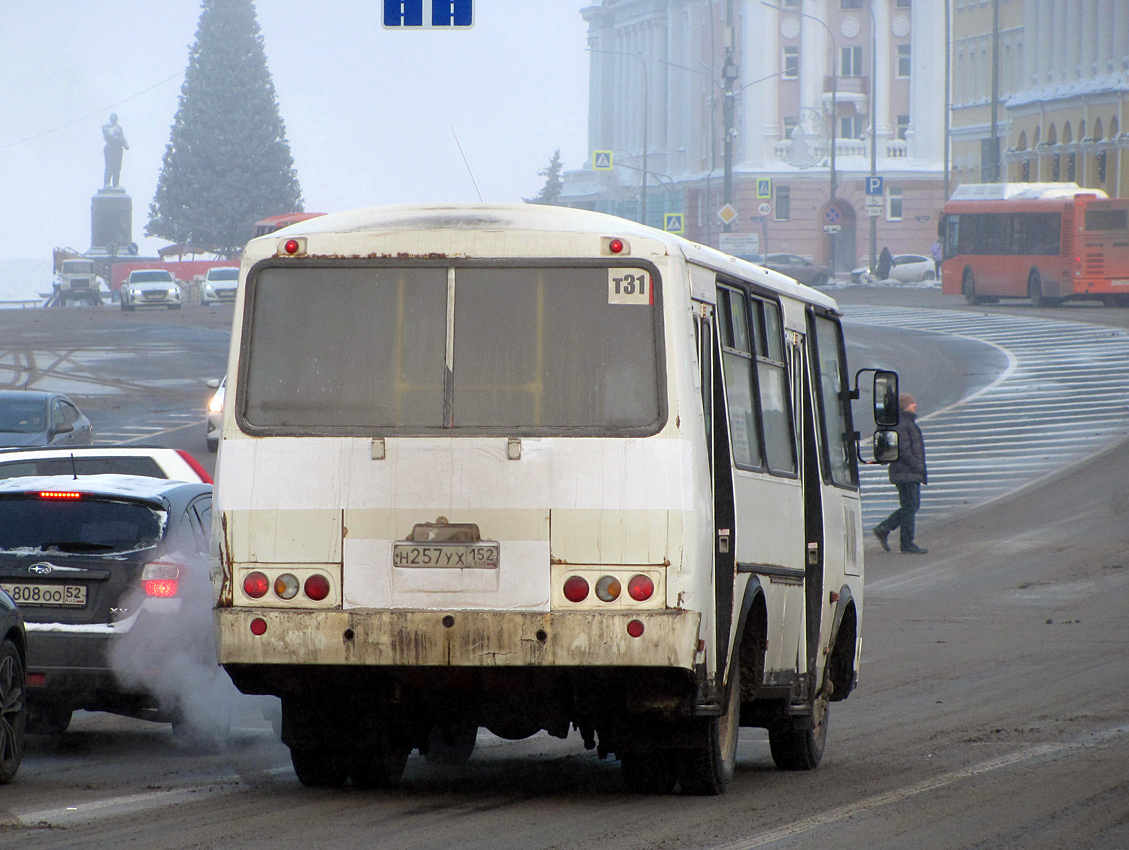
pixel 992 712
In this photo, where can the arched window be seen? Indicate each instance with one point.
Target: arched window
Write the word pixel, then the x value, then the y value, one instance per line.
pixel 1052 135
pixel 1067 136
pixel 1022 141
pixel 1098 130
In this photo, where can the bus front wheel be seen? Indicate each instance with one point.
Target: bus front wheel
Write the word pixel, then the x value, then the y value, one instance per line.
pixel 708 767
pixel 968 289
pixel 800 747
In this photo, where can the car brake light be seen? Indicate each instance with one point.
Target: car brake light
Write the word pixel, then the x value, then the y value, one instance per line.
pixel 576 589
pixel 256 585
pixel 161 578
pixel 58 494
pixel 317 587
pixel 196 466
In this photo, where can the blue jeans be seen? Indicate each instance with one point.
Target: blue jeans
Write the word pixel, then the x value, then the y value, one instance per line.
pixel 909 497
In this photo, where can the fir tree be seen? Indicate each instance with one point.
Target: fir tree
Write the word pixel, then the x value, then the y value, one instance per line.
pixel 228 162
pixel 551 191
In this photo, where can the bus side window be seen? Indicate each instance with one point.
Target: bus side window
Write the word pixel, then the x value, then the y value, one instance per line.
pixel 737 363
pixel 772 384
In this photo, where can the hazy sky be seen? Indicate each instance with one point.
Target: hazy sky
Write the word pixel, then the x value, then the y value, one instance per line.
pixel 369 112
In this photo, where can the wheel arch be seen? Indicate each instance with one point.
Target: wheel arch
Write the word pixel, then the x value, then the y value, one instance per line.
pixel 842 663
pixel 752 631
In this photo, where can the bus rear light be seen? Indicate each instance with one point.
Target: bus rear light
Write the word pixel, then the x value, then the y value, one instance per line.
pixel 608 588
pixel 286 586
pixel 615 246
pixel 317 587
pixel 635 628
pixel 256 585
pixel 576 589
pixel 258 626
pixel 295 247
pixel 640 588
pixel 161 579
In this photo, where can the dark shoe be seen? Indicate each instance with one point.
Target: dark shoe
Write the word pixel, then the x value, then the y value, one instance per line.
pixel 882 535
pixel 915 550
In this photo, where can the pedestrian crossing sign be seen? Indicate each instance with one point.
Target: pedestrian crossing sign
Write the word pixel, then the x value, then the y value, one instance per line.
pixel 673 223
pixel 764 187
pixel 602 160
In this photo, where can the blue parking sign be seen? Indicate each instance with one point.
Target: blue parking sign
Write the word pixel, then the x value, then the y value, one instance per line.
pixel 428 14
pixel 873 185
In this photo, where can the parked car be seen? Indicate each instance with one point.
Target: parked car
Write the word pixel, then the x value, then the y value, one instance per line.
pixel 13 687
pixel 35 418
pixel 151 288
pixel 219 285
pixel 153 461
pixel 905 268
pixel 104 568
pixel 798 268
pixel 214 423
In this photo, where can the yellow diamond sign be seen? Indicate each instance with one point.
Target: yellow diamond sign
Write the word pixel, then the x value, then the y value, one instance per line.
pixel 727 214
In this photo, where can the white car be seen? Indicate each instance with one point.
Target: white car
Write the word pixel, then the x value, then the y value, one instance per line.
pixel 151 288
pixel 219 285
pixel 214 422
pixel 906 268
pixel 149 461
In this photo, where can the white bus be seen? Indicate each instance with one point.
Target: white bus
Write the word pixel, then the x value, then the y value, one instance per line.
pixel 530 468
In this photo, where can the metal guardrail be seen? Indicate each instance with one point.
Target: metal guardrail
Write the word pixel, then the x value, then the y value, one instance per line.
pixel 22 303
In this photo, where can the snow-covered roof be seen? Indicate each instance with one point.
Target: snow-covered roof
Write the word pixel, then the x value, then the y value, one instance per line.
pixel 1020 191
pixel 132 486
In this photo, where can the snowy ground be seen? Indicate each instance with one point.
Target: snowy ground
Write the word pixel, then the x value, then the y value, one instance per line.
pixel 24 280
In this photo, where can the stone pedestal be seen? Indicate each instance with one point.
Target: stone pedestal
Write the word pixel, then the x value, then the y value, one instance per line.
pixel 111 221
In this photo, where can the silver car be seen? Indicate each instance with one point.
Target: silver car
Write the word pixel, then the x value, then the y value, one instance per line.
pixel 151 288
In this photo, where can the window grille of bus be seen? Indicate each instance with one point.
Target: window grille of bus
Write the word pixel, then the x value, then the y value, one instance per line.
pixel 1066 241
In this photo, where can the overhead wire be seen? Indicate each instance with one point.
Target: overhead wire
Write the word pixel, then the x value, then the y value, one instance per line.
pixel 90 115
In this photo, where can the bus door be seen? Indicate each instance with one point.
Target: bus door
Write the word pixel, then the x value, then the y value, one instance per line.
pixel 763 492
pixel 717 444
pixel 833 519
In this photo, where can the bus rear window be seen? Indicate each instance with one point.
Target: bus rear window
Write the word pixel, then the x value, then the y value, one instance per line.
pixel 363 349
pixel 1106 219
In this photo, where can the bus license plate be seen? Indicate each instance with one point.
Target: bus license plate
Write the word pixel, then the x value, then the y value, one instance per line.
pixel 56 595
pixel 1119 282
pixel 458 556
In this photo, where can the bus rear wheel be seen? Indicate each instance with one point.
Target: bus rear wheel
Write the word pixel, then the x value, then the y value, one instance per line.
pixel 379 761
pixel 708 767
pixel 968 289
pixel 1035 292
pixel 318 768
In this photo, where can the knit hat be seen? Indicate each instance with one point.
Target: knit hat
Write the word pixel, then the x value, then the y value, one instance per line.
pixel 905 400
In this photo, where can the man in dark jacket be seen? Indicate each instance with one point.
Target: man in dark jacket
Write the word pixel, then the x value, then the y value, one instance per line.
pixel 907 473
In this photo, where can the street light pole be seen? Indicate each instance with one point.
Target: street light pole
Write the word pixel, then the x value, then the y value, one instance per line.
pixel 646 122
pixel 873 128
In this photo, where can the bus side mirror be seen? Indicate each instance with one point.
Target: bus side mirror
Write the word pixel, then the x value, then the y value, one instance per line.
pixel 885 446
pixel 885 398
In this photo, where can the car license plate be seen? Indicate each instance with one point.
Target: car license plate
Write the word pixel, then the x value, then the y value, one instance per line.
pixel 459 556
pixel 57 595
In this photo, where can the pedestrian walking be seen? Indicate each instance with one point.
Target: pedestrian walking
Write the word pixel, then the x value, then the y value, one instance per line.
pixel 937 251
pixel 885 263
pixel 907 473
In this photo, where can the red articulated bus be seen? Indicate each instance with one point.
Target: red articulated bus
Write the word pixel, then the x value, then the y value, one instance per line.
pixel 1044 241
pixel 277 222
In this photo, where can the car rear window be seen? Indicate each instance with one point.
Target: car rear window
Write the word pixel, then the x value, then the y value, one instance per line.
pixel 119 465
pixel 83 525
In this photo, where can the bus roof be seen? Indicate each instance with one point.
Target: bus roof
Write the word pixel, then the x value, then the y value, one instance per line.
pixel 1020 191
pixel 545 218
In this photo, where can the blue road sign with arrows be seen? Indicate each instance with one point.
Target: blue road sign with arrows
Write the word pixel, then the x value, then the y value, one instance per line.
pixel 428 14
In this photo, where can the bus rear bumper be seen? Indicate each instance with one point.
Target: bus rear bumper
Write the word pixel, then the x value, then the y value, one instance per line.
pixel 379 638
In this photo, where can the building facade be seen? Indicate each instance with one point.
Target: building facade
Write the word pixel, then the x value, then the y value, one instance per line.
pixel 783 111
pixel 1062 90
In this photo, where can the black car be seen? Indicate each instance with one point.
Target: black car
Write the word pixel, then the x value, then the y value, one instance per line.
pixel 111 574
pixel 13 686
pixel 34 418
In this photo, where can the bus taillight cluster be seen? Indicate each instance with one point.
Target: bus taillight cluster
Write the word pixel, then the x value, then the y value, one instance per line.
pixel 609 588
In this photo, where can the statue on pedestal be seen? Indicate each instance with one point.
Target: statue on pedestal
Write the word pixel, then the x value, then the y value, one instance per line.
pixel 115 144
